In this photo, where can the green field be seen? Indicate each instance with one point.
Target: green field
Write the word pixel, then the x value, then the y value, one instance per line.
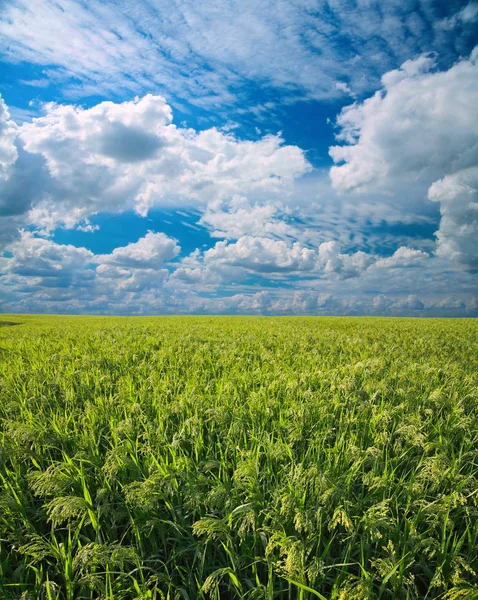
pixel 230 457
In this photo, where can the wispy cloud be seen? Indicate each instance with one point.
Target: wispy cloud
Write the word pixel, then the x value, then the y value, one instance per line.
pixel 468 14
pixel 209 52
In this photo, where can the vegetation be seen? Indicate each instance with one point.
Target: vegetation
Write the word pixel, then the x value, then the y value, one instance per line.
pixel 201 457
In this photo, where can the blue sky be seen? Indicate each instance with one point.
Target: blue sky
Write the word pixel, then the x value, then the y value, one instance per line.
pixel 307 157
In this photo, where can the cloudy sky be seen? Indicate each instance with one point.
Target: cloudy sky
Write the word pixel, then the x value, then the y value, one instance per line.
pixel 239 156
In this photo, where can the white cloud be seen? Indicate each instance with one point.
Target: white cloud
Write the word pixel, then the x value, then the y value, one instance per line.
pixel 422 124
pixel 411 302
pixel 262 255
pixel 137 278
pixel 41 262
pixel 333 262
pixel 452 303
pixel 240 217
pixel 260 302
pixel 308 303
pixel 73 162
pixel 457 237
pixel 343 87
pixel 468 14
pixel 381 303
pixel 132 279
pixel 48 263
pixel 8 131
pixel 302 48
pixel 149 252
pixel 401 306
pixel 403 257
pixel 279 302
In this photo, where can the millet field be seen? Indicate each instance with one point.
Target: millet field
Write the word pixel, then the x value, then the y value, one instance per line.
pixel 238 457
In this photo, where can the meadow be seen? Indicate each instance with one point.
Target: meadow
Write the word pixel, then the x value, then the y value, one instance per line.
pixel 238 457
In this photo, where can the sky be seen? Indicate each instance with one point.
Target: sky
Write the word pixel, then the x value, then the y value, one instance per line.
pixel 309 157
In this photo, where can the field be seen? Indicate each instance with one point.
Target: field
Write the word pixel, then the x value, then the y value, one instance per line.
pixel 222 457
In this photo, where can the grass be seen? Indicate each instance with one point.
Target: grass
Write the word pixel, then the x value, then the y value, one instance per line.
pixel 217 457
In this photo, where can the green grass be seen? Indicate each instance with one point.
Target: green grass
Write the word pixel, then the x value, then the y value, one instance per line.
pixel 217 457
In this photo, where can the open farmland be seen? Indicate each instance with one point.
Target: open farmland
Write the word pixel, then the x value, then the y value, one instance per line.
pixel 230 457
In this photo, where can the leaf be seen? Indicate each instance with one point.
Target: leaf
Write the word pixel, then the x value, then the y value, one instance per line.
pixel 306 588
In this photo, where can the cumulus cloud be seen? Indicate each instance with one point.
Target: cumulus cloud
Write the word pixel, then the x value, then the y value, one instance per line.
pixel 403 257
pixel 150 252
pixel 457 237
pixel 238 217
pixel 260 302
pixel 334 262
pixel 278 302
pixel 8 131
pixel 37 262
pixel 302 302
pixel 27 183
pixel 381 303
pixel 38 274
pixel 267 255
pixel 75 162
pixel 120 281
pixel 421 126
pixel 72 162
pixel 410 302
pixel 48 264
pixel 451 302
pixel 138 268
pixel 308 303
pixel 262 254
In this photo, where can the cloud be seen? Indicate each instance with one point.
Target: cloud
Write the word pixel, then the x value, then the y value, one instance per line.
pixel 468 14
pixel 52 264
pixel 270 256
pixel 401 258
pixel 405 305
pixel 238 217
pixel 47 264
pixel 457 237
pixel 39 275
pixel 343 87
pixel 452 303
pixel 411 302
pixel 123 281
pixel 303 49
pixel 8 131
pixel 73 162
pixel 334 262
pixel 150 252
pixel 260 302
pixel 263 255
pixel 128 144
pixel 27 182
pixel 286 302
pixel 321 250
pixel 421 124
